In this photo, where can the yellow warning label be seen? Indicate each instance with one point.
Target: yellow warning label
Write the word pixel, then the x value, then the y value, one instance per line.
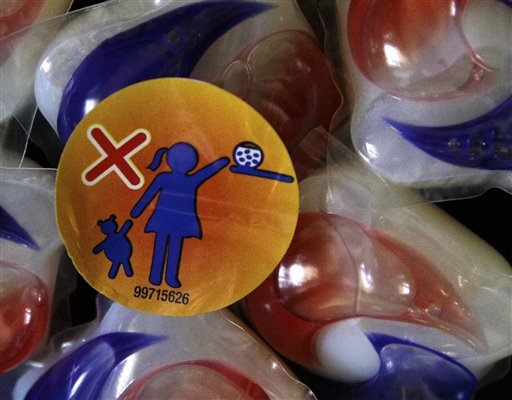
pixel 175 197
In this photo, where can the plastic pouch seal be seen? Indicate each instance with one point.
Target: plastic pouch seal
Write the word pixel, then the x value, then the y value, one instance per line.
pixel 23 38
pixel 347 183
pixel 428 115
pixel 409 272
pixel 211 355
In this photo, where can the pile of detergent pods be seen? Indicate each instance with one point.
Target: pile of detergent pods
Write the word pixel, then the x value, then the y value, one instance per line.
pixel 308 151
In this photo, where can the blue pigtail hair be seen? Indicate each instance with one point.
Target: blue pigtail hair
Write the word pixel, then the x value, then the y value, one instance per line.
pixel 157 159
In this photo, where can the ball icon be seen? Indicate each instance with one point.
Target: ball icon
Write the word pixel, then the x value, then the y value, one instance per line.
pixel 248 154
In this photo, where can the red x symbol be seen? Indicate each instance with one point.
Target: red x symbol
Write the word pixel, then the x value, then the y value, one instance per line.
pixel 115 157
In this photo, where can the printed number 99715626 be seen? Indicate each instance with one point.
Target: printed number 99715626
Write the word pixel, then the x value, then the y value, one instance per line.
pixel 170 296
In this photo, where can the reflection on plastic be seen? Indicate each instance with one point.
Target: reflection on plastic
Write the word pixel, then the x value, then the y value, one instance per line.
pixel 285 77
pixel 17 14
pixel 82 374
pixel 436 101
pixel 24 313
pixel 190 380
pixel 30 251
pixel 208 356
pixel 10 229
pixel 413 49
pixel 483 142
pixel 409 371
pixel 336 269
pixel 166 46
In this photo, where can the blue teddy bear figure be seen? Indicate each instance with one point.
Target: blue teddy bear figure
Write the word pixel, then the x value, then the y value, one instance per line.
pixel 116 246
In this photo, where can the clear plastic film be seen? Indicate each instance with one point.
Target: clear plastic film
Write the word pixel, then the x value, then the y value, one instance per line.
pixel 432 86
pixel 23 38
pixel 146 356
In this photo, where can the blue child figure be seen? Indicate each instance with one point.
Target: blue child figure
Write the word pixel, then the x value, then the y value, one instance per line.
pixel 175 214
pixel 116 245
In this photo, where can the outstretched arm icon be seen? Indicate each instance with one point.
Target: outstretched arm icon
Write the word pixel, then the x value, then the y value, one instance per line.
pixel 248 157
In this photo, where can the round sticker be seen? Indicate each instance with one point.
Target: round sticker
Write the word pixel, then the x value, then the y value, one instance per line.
pixel 175 197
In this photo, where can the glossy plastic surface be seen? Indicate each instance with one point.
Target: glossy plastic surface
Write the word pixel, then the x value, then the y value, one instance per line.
pixel 483 142
pixel 131 355
pixel 434 79
pixel 285 76
pixel 336 269
pixel 24 314
pixel 78 35
pixel 30 253
pixel 10 229
pixel 413 49
pixel 166 46
pixel 403 363
pixel 479 275
pixel 189 380
pixel 82 374
pixel 16 14
pixel 22 41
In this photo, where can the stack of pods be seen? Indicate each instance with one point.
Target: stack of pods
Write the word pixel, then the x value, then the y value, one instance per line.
pixel 384 108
